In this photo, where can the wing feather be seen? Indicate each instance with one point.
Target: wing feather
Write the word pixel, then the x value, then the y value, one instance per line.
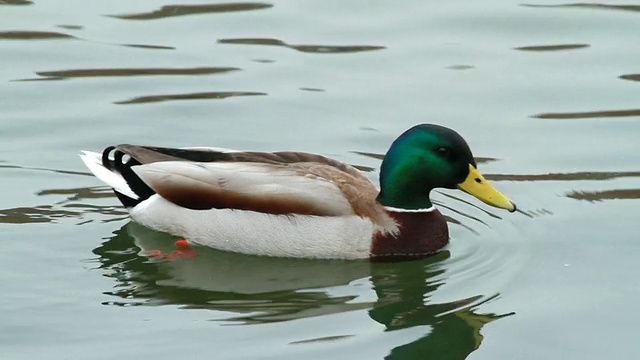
pixel 263 187
pixel 150 154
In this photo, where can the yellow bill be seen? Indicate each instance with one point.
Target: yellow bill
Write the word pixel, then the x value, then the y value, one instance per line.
pixel 476 185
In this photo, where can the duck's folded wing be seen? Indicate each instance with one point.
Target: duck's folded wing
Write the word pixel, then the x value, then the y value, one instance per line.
pixel 152 154
pixel 263 187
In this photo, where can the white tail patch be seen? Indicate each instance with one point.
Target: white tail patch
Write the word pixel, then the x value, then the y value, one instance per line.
pixel 93 161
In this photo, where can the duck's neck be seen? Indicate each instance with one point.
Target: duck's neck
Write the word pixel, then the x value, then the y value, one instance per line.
pixel 421 232
pixel 402 188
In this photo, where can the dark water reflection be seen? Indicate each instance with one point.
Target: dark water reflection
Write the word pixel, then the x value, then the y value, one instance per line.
pixel 605 195
pixel 586 175
pixel 590 114
pixel 38 214
pixel 588 6
pixel 263 290
pixel 126 72
pixel 632 77
pixel 214 95
pixel 182 10
pixel 15 2
pixel 74 204
pixel 32 35
pixel 38 169
pixel 555 47
pixel 150 47
pixel 455 326
pixel 70 27
pixel 460 67
pixel 73 207
pixel 320 49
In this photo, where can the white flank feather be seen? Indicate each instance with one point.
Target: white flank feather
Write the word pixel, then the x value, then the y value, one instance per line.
pixel 93 161
pixel 249 232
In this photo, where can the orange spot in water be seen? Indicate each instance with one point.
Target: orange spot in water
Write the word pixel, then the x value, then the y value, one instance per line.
pixel 182 243
pixel 184 251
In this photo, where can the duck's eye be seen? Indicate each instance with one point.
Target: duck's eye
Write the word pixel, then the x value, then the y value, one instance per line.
pixel 443 151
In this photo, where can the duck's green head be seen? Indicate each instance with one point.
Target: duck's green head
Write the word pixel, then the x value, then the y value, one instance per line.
pixel 429 156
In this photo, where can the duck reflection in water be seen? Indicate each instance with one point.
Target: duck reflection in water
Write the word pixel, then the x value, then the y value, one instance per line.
pixel 262 289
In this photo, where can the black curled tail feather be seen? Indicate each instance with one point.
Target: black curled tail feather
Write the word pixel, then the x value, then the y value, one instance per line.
pixel 106 162
pixel 124 168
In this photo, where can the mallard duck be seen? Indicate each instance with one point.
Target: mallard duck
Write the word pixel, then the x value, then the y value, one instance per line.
pixel 295 204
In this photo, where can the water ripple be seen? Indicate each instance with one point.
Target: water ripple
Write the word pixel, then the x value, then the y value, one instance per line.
pixel 632 77
pixel 68 172
pixel 460 67
pixel 151 47
pixel 71 207
pixel 588 6
pixel 589 114
pixel 319 49
pixel 190 96
pixel 586 175
pixel 594 196
pixel 30 215
pixel 312 89
pixel 70 27
pixel 33 35
pixel 16 2
pixel 556 47
pixel 182 10
pixel 124 72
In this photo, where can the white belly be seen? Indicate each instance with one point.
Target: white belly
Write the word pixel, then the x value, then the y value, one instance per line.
pixel 257 233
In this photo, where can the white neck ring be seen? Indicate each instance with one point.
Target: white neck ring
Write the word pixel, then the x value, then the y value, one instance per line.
pixel 423 210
